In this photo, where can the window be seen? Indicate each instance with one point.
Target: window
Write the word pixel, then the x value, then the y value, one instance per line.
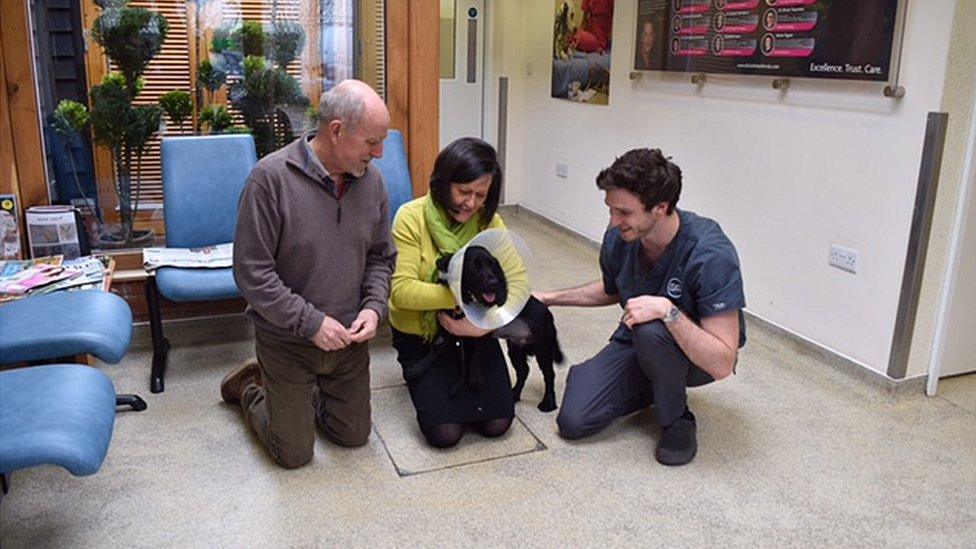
pixel 338 39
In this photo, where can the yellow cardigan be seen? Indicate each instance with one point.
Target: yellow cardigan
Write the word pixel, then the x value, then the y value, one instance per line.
pixel 410 291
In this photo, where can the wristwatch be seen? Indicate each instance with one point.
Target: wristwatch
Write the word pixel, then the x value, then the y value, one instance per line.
pixel 671 315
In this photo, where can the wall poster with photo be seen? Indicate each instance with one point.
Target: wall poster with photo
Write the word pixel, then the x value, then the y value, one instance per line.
pixel 582 31
pixel 839 39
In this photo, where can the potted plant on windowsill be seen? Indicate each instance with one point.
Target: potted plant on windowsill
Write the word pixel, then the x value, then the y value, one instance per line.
pixel 131 38
pixel 269 100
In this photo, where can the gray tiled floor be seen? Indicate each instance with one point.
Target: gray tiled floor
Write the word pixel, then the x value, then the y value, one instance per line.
pixel 394 423
pixel 791 453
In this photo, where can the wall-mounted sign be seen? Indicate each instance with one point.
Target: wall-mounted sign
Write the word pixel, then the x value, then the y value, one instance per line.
pixel 842 39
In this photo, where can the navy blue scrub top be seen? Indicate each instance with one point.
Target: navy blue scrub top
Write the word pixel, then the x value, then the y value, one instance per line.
pixel 699 272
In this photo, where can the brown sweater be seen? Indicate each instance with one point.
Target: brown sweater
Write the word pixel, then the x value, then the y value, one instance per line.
pixel 301 252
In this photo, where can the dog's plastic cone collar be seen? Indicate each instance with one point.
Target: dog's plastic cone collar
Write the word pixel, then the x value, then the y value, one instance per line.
pixel 509 249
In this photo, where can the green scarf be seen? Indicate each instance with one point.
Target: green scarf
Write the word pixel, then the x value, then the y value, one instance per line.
pixel 448 237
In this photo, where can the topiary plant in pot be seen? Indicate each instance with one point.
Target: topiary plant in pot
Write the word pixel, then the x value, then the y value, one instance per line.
pixel 178 105
pixel 131 38
pixel 253 59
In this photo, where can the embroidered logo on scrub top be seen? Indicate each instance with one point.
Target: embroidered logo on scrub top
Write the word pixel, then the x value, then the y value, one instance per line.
pixel 675 288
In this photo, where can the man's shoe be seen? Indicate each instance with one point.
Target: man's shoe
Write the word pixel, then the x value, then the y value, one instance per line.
pixel 678 443
pixel 233 384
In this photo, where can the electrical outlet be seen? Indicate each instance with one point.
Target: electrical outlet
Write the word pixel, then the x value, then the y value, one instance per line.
pixel 844 258
pixel 562 170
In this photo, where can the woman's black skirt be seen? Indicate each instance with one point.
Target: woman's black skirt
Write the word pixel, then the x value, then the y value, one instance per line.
pixel 432 383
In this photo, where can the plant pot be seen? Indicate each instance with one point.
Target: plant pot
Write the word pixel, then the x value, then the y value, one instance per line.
pixel 110 240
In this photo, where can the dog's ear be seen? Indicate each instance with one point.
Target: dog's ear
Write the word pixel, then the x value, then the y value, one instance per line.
pixel 466 294
pixel 502 294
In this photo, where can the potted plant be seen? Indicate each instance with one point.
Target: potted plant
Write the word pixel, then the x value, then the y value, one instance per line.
pixel 209 78
pixel 269 99
pixel 178 106
pixel 215 119
pixel 131 38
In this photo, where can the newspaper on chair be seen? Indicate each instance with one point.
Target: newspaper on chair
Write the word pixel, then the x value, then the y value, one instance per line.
pixel 204 257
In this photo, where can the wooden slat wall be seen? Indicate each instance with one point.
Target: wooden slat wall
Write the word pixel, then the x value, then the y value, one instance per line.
pixel 377 48
pixel 372 39
pixel 22 157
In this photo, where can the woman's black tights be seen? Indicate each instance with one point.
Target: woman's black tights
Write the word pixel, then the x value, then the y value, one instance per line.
pixel 445 435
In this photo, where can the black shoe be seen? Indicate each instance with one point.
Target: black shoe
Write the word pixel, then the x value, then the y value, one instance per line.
pixel 678 443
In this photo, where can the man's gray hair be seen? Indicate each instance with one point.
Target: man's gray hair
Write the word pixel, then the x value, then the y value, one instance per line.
pixel 342 103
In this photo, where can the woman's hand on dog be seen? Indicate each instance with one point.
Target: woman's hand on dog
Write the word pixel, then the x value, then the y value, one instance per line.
pixel 364 327
pixel 460 327
pixel 644 308
pixel 332 335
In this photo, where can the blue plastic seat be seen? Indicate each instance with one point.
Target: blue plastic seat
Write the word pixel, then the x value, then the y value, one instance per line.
pixel 65 324
pixel 60 414
pixel 396 171
pixel 196 284
pixel 55 415
pixel 203 177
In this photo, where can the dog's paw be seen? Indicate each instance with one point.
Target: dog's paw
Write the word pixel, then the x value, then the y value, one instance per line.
pixel 547 405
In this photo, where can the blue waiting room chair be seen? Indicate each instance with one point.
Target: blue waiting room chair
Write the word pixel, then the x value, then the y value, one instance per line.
pixel 60 414
pixel 203 177
pixel 396 171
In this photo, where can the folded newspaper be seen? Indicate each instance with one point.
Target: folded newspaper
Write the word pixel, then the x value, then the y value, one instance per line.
pixel 204 257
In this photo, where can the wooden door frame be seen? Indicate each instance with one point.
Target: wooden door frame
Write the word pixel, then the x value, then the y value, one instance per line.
pixel 413 85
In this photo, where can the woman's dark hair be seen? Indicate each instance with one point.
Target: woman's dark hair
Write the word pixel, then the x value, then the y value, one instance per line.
pixel 463 161
pixel 648 174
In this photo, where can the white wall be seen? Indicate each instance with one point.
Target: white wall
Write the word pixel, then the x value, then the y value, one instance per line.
pixel 785 174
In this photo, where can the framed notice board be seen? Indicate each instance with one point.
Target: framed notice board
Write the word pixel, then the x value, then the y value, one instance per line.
pixel 837 39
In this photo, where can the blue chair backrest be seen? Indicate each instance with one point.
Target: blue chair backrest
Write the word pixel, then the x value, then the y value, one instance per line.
pixel 203 177
pixel 396 171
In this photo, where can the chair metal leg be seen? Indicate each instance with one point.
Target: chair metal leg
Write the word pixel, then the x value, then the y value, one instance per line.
pixel 160 344
pixel 133 401
pixel 4 483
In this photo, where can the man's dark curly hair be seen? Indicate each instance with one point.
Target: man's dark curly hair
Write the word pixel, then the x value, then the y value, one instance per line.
pixel 648 174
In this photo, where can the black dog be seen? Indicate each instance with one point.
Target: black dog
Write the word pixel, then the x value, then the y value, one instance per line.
pixel 532 333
